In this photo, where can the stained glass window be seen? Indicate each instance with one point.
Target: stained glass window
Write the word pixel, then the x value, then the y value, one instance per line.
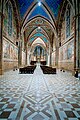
pixel 38 51
pixel 9 19
pixel 68 22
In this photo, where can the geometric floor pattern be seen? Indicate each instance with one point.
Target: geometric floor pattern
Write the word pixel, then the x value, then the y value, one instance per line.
pixel 39 96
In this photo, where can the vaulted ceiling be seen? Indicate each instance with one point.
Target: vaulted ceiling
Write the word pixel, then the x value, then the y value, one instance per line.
pixel 38 19
pixel 51 5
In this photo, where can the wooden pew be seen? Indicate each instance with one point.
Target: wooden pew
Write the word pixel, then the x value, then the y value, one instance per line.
pixel 43 62
pixel 48 70
pixel 27 70
pixel 33 62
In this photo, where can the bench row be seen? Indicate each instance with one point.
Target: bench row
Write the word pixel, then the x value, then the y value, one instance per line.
pixel 27 70
pixel 48 70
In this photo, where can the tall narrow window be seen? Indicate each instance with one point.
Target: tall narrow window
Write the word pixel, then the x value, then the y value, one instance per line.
pixel 68 22
pixel 9 19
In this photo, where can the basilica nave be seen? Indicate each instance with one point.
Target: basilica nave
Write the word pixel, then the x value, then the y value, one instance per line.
pixel 39 60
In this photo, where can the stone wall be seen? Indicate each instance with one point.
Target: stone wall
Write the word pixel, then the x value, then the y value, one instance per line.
pixel 10 49
pixel 66 50
pixel 54 52
pixel 66 55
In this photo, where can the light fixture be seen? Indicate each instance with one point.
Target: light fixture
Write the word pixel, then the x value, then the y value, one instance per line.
pixel 39 3
pixel 39 27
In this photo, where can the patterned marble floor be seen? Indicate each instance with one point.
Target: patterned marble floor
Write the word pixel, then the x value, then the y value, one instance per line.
pixel 39 97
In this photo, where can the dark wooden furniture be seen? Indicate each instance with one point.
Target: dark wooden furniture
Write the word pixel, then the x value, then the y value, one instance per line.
pixel 48 70
pixel 33 62
pixel 27 70
pixel 43 62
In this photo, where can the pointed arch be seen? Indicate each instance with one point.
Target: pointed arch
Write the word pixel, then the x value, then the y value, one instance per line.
pixel 53 26
pixel 39 41
pixel 43 38
pixel 35 30
pixel 31 9
pixel 33 47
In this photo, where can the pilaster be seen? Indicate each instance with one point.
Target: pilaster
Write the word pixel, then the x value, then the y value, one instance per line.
pixel 20 54
pixel 77 36
pixel 1 38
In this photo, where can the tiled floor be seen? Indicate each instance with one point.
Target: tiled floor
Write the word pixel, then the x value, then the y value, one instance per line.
pixel 39 97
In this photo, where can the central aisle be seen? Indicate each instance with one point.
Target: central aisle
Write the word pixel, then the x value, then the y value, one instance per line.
pixel 38 89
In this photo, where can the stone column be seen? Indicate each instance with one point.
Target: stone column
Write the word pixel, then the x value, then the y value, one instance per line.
pixel 79 33
pixel 50 59
pixel 1 37
pixel 28 60
pixel 48 63
pixel 20 54
pixel 57 56
pixel 77 36
pixel 43 54
pixel 25 45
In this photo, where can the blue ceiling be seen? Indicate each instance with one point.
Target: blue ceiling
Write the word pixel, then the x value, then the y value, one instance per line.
pixel 24 5
pixel 54 6
pixel 39 10
pixel 38 35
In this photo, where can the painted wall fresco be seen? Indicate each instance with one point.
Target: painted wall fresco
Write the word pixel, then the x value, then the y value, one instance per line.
pixel 70 50
pixel 10 51
pixel 66 52
pixel 13 52
pixel 6 50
